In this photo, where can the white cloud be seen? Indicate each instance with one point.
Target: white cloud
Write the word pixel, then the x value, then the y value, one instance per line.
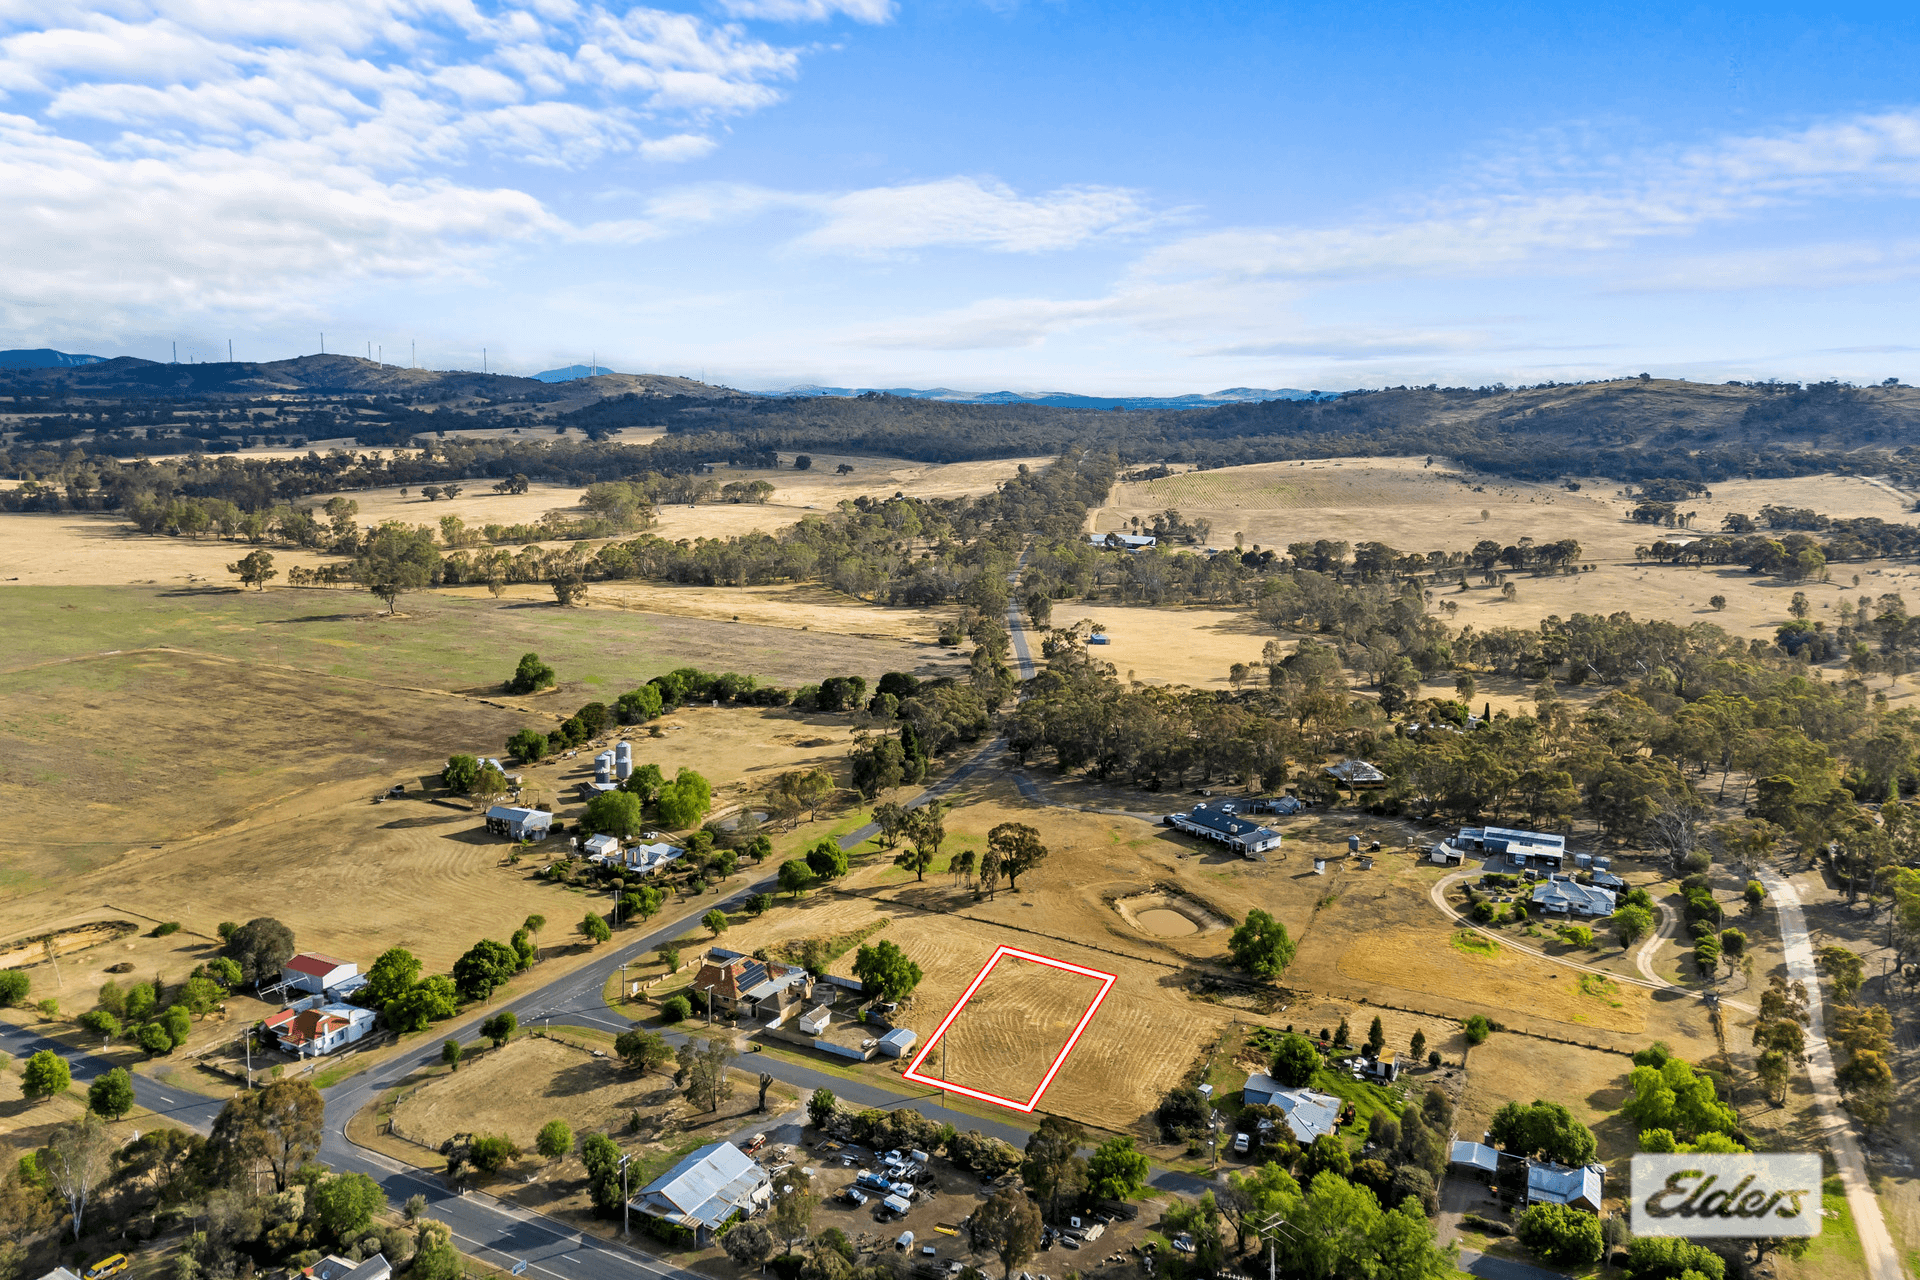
pixel 966 212
pixel 872 11
pixel 226 153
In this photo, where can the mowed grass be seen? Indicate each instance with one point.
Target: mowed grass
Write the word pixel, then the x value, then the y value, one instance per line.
pixel 438 642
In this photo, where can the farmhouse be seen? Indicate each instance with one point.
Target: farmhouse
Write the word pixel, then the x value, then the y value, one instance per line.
pixel 1309 1114
pixel 519 824
pixel 1223 824
pixel 750 988
pixel 1524 847
pixel 1356 773
pixel 1557 1184
pixel 1122 541
pixel 705 1189
pixel 1284 806
pixel 311 1027
pixel 1563 895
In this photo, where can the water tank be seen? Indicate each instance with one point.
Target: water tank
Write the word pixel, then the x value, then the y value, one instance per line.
pixel 623 766
pixel 622 751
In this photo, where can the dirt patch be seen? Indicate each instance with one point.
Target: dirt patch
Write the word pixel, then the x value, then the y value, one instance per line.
pixel 1167 915
pixel 23 952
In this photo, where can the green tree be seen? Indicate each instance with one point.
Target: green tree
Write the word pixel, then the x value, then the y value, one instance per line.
pixel 716 921
pixel 1008 1226
pixel 704 1073
pixel 1376 1038
pixel 528 745
pixel 601 1156
pixel 594 929
pixel 827 860
pixel 820 1107
pixel 1261 945
pixel 885 968
pixel 555 1140
pixel 1017 847
pixel 1561 1236
pixel 260 947
pixel 154 1039
pixel 77 1158
pixel 102 1024
pixel 345 1204
pixel 685 800
pixel 1053 1168
pixel 391 976
pixel 486 965
pixel 254 569
pixel 1632 922
pixel 646 782
pixel 1116 1171
pixel 1544 1129
pixel 615 813
pixel 1295 1061
pixel 500 1027
pixel 451 1053
pixel 44 1075
pixel 427 1001
pixel 15 986
pixel 395 560
pixel 279 1125
pixel 531 676
pixel 1844 970
pixel 795 877
pixel 110 1096
pixel 644 1051
pixel 675 1009
pixel 1477 1029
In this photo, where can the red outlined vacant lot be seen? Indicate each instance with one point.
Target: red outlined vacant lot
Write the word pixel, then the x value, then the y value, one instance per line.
pixel 1022 1021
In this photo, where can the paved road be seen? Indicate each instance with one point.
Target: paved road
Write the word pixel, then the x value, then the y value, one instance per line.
pixel 1876 1242
pixel 1489 1267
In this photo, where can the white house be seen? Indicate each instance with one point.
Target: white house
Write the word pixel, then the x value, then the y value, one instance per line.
pixel 601 847
pixel 318 1029
pixel 316 974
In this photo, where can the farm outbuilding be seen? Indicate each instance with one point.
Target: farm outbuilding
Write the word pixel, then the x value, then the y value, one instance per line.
pixel 1557 1184
pixel 1356 773
pixel 1524 847
pixel 318 974
pixel 1474 1160
pixel 897 1043
pixel 519 824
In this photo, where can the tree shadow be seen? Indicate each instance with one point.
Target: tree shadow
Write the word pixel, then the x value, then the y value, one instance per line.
pixel 314 617
pixel 404 824
pixel 582 1077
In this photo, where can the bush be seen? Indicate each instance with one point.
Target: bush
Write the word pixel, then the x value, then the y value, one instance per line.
pixel 1478 1028
pixel 154 1039
pixel 491 1153
pixel 162 930
pixel 1561 1235
pixel 1670 1257
pixel 531 675
pixel 14 986
pixel 676 1009
pixel 1486 1226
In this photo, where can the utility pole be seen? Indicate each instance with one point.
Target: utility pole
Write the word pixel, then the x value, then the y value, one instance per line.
pixel 626 1204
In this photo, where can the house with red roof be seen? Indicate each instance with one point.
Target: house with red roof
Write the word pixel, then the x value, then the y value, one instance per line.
pixel 311 1029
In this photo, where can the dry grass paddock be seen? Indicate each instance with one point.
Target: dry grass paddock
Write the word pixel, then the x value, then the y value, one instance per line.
pixel 1011 1029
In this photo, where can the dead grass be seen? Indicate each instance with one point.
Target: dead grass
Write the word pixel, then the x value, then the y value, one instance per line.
pixel 1011 1029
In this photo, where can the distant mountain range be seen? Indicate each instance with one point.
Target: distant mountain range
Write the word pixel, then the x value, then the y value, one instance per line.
pixel 1069 399
pixel 571 372
pixel 45 358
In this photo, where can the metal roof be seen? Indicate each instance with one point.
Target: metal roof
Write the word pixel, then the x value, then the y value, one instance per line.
pixel 1309 1114
pixel 315 964
pixel 902 1036
pixel 1475 1155
pixel 704 1187
pixel 1558 1184
pixel 1566 892
pixel 1356 771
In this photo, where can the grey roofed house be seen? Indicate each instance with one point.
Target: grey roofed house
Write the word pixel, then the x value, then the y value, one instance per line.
pixel 1224 824
pixel 705 1189
pixel 1557 1184
pixel 1568 896
pixel 1124 541
pixel 1356 773
pixel 1309 1114
pixel 335 1267
pixel 1474 1157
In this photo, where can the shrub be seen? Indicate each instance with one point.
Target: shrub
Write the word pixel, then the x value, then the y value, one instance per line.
pixel 1561 1235
pixel 162 930
pixel 1478 1028
pixel 676 1009
pixel 14 986
pixel 491 1152
pixel 154 1039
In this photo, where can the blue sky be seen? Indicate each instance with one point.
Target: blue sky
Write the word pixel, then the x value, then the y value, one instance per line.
pixel 1033 194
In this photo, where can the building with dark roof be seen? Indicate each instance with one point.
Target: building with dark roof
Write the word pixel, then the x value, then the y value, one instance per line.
pixel 1223 823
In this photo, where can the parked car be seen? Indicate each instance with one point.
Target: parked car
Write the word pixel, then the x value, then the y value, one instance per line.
pixel 110 1266
pixel 854 1196
pixel 1240 1143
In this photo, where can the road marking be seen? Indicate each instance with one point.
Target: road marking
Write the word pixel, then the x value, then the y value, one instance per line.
pixel 169 1101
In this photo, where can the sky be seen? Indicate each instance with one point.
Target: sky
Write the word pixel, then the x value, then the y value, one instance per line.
pixel 1109 198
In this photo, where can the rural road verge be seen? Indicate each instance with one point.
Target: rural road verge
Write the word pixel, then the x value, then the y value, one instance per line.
pixel 1876 1243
